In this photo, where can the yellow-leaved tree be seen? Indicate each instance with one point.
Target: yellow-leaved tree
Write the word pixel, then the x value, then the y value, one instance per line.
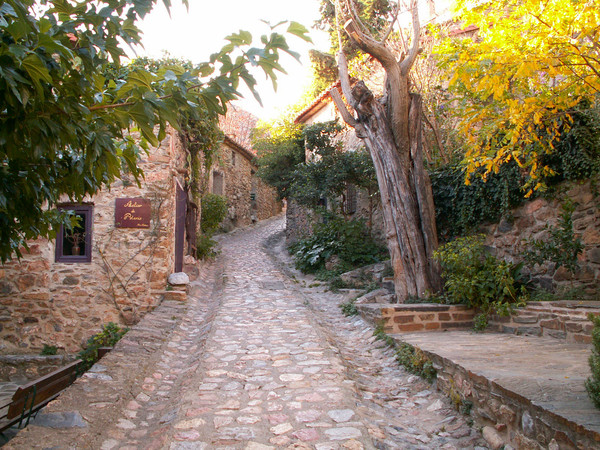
pixel 517 79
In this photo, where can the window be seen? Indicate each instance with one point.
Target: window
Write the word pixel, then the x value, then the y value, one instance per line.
pixel 350 203
pixel 218 185
pixel 75 245
pixel 233 158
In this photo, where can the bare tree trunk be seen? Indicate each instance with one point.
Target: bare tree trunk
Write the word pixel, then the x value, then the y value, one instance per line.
pixel 392 132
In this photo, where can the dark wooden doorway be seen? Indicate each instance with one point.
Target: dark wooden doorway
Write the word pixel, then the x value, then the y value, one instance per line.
pixel 180 213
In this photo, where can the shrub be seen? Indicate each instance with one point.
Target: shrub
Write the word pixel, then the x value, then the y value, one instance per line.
pixel 476 278
pixel 592 384
pixel 111 334
pixel 349 241
pixel 206 247
pixel 349 308
pixel 214 211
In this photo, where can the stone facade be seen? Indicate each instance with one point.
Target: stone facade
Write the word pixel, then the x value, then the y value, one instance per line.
pixel 64 303
pixel 529 221
pixel 249 199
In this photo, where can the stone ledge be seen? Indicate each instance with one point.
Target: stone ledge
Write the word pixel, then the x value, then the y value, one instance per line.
pixel 530 389
pixel 399 318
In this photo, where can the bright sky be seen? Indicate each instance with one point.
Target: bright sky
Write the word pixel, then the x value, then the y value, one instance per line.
pixel 199 32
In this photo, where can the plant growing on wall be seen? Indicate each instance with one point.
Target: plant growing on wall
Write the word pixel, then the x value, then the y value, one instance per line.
pixel 110 334
pixel 561 247
pixel 120 277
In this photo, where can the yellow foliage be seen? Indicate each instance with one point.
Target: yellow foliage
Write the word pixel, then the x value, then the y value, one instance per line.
pixel 517 79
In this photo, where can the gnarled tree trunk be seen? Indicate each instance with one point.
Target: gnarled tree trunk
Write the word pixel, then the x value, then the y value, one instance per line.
pixel 391 130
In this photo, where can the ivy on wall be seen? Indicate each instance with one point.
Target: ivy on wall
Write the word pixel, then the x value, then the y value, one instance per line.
pixel 461 208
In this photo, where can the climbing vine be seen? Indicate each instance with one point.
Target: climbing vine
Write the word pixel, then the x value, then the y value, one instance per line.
pixel 118 277
pixel 201 138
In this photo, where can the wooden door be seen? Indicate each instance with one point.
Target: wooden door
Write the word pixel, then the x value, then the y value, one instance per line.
pixel 180 213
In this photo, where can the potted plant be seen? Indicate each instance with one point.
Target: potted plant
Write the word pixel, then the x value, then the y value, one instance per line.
pixel 76 238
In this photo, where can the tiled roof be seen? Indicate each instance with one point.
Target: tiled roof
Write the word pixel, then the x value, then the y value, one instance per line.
pixel 319 103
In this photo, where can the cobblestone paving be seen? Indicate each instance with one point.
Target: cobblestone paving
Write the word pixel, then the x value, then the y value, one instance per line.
pixel 260 360
pixel 278 366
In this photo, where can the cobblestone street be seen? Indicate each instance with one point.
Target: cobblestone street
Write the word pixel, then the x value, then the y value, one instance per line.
pixel 261 360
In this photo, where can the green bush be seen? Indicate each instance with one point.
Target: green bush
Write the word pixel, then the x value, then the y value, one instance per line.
pixel 592 384
pixel 476 278
pixel 214 211
pixel 347 240
pixel 206 247
pixel 111 334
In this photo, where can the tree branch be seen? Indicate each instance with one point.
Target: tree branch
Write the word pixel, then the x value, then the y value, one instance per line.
pixel 394 19
pixel 339 103
pixel 407 63
pixel 345 79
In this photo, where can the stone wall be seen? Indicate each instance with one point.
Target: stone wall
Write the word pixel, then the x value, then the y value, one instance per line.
pixel 507 416
pixel 529 222
pixel 267 204
pixel 63 304
pixel 298 222
pixel 24 368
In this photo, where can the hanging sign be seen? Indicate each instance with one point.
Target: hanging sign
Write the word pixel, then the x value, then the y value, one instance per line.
pixel 132 213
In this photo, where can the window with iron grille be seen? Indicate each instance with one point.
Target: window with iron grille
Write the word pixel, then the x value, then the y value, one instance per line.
pixel 350 203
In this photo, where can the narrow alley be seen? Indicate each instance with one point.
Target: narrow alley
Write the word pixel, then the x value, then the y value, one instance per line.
pixel 259 358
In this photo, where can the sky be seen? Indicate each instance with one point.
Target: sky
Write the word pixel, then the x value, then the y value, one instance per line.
pixel 196 33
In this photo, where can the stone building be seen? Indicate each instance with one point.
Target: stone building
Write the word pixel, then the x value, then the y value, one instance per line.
pixel 233 175
pixel 114 266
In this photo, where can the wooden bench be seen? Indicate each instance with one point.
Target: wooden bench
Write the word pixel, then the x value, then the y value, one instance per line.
pixel 33 396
